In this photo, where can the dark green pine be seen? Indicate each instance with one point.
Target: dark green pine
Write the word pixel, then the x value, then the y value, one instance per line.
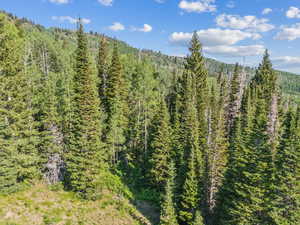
pixel 85 151
pixel 168 214
pixel 18 136
pixel 234 98
pixel 287 162
pixel 160 147
pixel 189 193
pixel 195 65
pixel 117 110
pixel 102 65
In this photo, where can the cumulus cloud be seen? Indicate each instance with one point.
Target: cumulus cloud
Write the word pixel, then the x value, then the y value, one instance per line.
pixel 250 23
pixel 289 32
pixel 116 27
pixel 293 12
pixel 106 2
pixel 198 6
pixel 60 1
pixel 70 19
pixel 266 11
pixel 287 62
pixel 235 51
pixel 213 37
pixel 146 28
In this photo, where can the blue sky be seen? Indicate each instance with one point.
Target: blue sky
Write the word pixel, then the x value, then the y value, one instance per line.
pixel 230 30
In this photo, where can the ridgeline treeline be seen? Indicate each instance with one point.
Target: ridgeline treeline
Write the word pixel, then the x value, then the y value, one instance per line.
pixel 216 150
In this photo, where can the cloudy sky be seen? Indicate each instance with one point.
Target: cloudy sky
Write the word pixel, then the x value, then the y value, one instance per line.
pixel 230 30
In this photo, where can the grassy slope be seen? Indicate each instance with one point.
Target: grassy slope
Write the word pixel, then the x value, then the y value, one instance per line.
pixel 45 205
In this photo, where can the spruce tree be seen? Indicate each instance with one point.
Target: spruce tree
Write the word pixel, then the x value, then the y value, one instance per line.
pixel 195 65
pixel 117 110
pixel 287 162
pixel 103 71
pixel 189 197
pixel 195 68
pixel 234 98
pixel 85 150
pixel 189 193
pixel 246 197
pixel 18 136
pixel 198 218
pixel 160 148
pixel 217 154
pixel 168 213
pixel 50 135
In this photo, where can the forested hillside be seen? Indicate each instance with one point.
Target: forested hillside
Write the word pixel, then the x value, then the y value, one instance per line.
pixel 92 122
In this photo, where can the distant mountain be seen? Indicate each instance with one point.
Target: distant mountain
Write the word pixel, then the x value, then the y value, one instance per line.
pixel 289 82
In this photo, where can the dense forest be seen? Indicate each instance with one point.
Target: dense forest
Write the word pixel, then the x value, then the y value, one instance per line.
pixel 207 143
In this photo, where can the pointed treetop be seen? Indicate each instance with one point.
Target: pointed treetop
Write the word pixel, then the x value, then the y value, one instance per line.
pixel 195 45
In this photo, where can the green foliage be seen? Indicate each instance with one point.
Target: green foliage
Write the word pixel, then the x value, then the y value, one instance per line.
pixel 118 116
pixel 85 150
pixel 160 147
pixel 198 218
pixel 168 214
pixel 246 197
pixel 19 161
pixel 116 120
pixel 189 197
pixel 287 202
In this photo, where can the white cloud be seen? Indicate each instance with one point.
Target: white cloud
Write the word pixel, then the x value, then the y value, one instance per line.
pixel 266 11
pixel 289 32
pixel 70 19
pixel 106 2
pixel 250 23
pixel 213 37
pixel 287 62
pixel 117 27
pixel 60 1
pixel 293 12
pixel 146 28
pixel 230 4
pixel 235 51
pixel 198 6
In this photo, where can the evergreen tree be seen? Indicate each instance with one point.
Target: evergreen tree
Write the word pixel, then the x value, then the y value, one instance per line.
pixel 217 154
pixel 189 197
pixel 168 213
pixel 116 120
pixel 103 71
pixel 50 136
pixel 198 218
pixel 246 197
pixel 19 160
pixel 234 98
pixel 195 65
pixel 287 188
pixel 160 148
pixel 85 150
pixel 266 79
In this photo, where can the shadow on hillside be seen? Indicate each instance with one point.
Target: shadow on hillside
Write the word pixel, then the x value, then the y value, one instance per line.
pixel 149 210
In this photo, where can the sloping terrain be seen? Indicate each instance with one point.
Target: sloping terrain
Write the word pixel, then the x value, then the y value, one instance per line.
pixel 43 205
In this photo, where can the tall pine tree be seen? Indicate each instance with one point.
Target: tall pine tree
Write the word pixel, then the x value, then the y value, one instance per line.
pixel 287 162
pixel 160 148
pixel 168 213
pixel 85 150
pixel 19 160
